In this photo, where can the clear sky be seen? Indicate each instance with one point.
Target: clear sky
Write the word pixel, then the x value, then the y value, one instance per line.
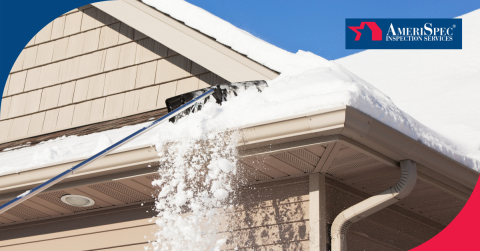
pixel 319 26
pixel 309 25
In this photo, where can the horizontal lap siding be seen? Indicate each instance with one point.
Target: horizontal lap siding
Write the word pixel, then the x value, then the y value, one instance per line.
pixel 96 67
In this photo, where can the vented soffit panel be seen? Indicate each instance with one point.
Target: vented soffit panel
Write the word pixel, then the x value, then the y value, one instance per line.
pixel 192 44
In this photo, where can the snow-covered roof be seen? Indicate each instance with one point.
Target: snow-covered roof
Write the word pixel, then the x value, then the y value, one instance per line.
pixel 307 83
pixel 439 88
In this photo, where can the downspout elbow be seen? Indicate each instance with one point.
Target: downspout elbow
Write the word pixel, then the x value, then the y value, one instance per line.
pixel 373 204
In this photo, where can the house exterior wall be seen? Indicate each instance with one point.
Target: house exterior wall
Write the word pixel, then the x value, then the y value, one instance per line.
pixel 85 67
pixel 269 216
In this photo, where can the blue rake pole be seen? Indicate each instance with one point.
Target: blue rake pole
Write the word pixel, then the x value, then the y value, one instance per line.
pixel 28 194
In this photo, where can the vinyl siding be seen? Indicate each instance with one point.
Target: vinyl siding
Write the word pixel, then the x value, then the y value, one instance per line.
pixel 98 67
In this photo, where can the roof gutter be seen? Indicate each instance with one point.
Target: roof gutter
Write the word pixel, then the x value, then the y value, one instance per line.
pixel 373 204
pixel 351 125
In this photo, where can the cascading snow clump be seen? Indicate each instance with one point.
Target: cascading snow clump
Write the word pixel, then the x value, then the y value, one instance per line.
pixel 195 190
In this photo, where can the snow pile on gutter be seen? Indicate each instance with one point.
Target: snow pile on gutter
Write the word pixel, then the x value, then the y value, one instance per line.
pixel 288 95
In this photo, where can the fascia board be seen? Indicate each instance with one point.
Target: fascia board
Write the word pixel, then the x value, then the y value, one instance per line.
pixel 192 44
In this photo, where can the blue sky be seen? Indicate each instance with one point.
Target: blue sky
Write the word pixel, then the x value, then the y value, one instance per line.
pixel 310 25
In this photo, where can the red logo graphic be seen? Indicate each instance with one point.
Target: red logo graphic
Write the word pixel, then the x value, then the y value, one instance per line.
pixel 376 31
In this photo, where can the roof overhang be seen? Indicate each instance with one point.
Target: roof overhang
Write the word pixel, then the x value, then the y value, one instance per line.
pixel 189 42
pixel 358 130
pixel 344 124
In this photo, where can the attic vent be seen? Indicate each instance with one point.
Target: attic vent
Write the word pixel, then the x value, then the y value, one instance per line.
pixel 360 160
pixel 295 161
pixel 307 156
pixel 127 191
pixel 252 173
pixel 113 193
pixel 380 184
pixel 26 213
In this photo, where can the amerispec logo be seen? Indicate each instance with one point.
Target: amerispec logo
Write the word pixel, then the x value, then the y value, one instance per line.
pixel 403 34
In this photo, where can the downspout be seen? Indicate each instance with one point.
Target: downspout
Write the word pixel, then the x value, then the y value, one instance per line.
pixel 373 204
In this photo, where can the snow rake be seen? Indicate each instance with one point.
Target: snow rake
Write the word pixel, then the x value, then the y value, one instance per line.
pixel 177 106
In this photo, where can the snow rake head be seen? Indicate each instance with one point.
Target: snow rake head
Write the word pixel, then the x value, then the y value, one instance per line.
pixel 222 93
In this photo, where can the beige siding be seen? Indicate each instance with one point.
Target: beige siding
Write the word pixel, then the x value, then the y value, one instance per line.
pixel 92 38
pixel 68 69
pixel 149 49
pixel 146 74
pixel 17 105
pixel 18 65
pixel 89 20
pixel 36 123
pixel 17 82
pixel 20 127
pixel 75 45
pixel 33 101
pixel 33 77
pixel 130 103
pixel 7 84
pixel 44 34
pixel 127 55
pixel 60 49
pixel 58 27
pixel 88 65
pixel 65 116
pixel 50 120
pixel 81 113
pixel 50 97
pixel 165 91
pixel 109 35
pixel 113 106
pixel 66 93
pixel 96 86
pixel 111 59
pixel 5 129
pixel 271 216
pixel 30 56
pixel 91 64
pixel 120 80
pixel 171 68
pixel 97 109
pixel 81 90
pixel 49 75
pixel 44 53
pixel 187 85
pixel 72 23
pixel 148 98
pixel 5 108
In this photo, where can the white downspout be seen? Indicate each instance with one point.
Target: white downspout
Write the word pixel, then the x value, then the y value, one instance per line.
pixel 373 204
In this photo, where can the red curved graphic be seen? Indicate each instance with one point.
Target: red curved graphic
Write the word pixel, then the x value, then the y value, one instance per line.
pixel 462 232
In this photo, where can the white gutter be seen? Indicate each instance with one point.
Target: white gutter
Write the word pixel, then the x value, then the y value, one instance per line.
pixel 373 204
